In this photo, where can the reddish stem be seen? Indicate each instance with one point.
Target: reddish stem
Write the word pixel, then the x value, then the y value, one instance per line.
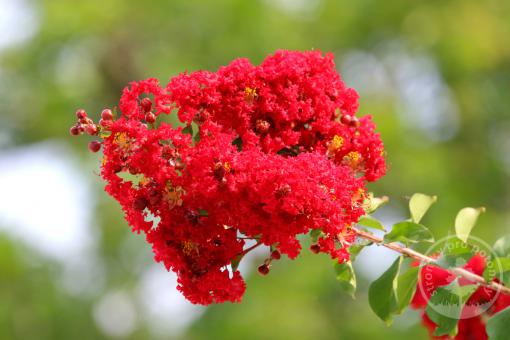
pixel 429 260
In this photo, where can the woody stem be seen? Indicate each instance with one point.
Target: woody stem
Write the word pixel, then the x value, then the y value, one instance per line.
pixel 429 260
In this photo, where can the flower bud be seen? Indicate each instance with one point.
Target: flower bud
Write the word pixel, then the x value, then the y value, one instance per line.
pixel 107 114
pixel 74 130
pixel 105 123
pixel 140 203
pixel 346 119
pixel 263 269
pixel 150 118
pixel 315 248
pixel 262 126
pixel 94 146
pixel 81 114
pixel 91 129
pixel 354 122
pixel 146 104
pixel 219 171
pixel 275 255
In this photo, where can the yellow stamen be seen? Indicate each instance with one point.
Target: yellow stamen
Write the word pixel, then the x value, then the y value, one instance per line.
pixel 226 166
pixel 335 144
pixel 189 248
pixel 122 140
pixel 353 159
pixel 173 196
pixel 250 93
pixel 143 181
pixel 359 195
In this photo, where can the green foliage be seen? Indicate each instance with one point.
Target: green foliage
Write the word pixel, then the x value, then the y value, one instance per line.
pixel 406 287
pixel 465 221
pixel 375 203
pixel 497 325
pixel 315 234
pixel 419 204
pixel 452 250
pixel 502 246
pixel 371 222
pixel 409 232
pixel 382 293
pixel 495 266
pixel 445 306
pixel 391 293
pixel 188 129
pixel 346 277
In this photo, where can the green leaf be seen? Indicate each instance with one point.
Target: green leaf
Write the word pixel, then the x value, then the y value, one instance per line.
pixel 497 325
pixel 315 234
pixel 502 246
pixel 406 288
pixel 188 129
pixel 452 251
pixel 409 232
pixel 448 301
pixel 236 261
pixel 356 248
pixel 238 142
pixel 346 276
pixel 419 204
pixel 369 221
pixel 465 221
pixel 375 203
pixel 382 293
pixel 105 134
pixel 497 265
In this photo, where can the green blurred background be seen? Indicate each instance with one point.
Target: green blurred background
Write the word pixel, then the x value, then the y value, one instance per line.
pixel 435 75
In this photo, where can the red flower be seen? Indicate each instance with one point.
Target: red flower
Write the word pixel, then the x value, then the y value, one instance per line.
pixel 271 160
pixel 469 327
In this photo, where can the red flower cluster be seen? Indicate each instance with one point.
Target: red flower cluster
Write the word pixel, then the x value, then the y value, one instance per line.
pixel 278 153
pixel 484 301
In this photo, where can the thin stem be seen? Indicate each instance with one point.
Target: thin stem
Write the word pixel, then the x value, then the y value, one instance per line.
pixel 247 250
pixel 429 260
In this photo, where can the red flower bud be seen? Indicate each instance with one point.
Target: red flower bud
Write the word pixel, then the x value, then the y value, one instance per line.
pixel 315 248
pixel 95 146
pixel 150 118
pixel 146 104
pixel 346 119
pixel 74 130
pixel 275 255
pixel 219 171
pixel 140 203
pixel 354 122
pixel 107 114
pixel 91 129
pixel 263 269
pixel 105 123
pixel 80 114
pixel 262 126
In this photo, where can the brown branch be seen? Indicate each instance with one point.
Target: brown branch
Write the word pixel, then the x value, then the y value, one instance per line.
pixel 429 260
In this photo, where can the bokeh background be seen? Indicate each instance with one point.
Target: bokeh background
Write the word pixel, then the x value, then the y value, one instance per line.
pixel 435 75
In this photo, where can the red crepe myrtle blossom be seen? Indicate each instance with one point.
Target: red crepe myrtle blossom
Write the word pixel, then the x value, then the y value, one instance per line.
pixel 278 153
pixel 432 277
